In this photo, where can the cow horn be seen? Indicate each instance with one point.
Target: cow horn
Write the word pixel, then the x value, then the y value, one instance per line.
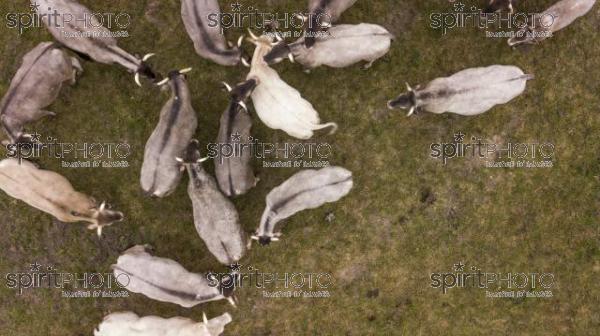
pixel 204 319
pixel 291 57
pixel 301 17
pixel 408 87
pixel 184 71
pixel 412 110
pixel 245 62
pixel 102 207
pixel 278 37
pixel 137 79
pixel 252 35
pixel 240 40
pixel 227 86
pixel 254 237
pixel 232 301
pixel 203 159
pixel 147 57
pixel 243 105
pixel 325 24
pixel 163 82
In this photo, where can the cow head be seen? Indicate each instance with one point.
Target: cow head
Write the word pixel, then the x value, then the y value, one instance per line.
pixel 280 51
pixel 406 101
pixel 103 216
pixel 241 92
pixel 525 35
pixel 174 75
pixel 145 70
pixel 191 159
pixel 265 240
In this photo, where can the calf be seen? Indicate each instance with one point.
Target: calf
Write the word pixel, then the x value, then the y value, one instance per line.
pixel 555 18
pixel 234 173
pixel 130 324
pixel 53 194
pixel 161 172
pixel 277 104
pixel 338 49
pixel 468 92
pixel 308 189
pixel 84 34
pixel 35 86
pixel 209 42
pixel 215 217
pixel 164 280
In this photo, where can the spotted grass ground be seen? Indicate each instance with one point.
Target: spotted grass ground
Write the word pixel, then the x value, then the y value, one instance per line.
pixel 407 217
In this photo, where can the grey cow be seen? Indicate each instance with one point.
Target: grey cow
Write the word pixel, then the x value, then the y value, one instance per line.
pixel 234 173
pixel 81 31
pixel 215 217
pixel 308 189
pixel 200 18
pixel 343 46
pixel 165 280
pixel 161 172
pixel 468 92
pixel 35 86
pixel 557 17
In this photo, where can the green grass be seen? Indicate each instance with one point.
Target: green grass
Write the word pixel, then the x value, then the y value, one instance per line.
pixel 384 236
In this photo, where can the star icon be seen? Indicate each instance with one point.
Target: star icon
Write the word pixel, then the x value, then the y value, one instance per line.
pixel 35 267
pixel 34 7
pixel 236 137
pixel 459 137
pixel 459 7
pixel 35 137
pixel 459 267
pixel 236 7
pixel 235 267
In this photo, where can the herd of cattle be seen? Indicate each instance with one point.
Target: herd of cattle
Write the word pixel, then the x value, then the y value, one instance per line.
pixel 171 149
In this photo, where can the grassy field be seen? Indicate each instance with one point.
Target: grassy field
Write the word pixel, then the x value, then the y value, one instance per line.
pixel 408 215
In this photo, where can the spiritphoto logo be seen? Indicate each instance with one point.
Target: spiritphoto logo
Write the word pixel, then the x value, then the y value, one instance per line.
pixel 86 155
pixel 462 16
pixel 274 284
pixel 37 15
pixel 73 285
pixel 242 16
pixel 495 284
pixel 297 154
pixel 514 154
